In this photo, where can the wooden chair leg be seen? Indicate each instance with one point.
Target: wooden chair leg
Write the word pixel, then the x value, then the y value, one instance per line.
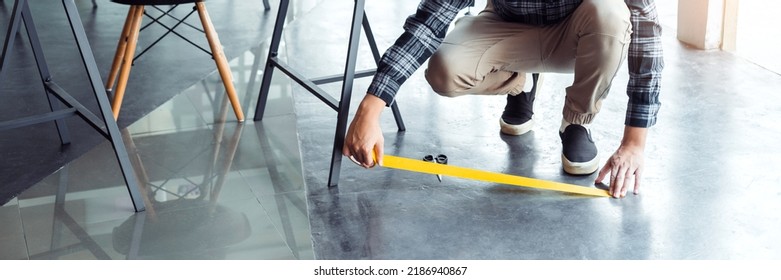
pixel 127 60
pixel 121 46
pixel 220 60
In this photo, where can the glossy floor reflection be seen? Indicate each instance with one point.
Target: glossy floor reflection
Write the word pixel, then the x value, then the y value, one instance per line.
pixel 171 66
pixel 216 189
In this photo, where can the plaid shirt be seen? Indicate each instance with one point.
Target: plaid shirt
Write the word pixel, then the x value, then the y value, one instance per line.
pixel 425 30
pixel 535 12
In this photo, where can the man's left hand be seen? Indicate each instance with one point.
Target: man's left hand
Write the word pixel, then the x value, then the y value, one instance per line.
pixel 625 166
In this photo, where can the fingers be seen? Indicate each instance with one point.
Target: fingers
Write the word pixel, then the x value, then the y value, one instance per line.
pixel 352 158
pixel 378 152
pixel 629 181
pixel 361 157
pixel 373 155
pixel 617 180
pixel 624 178
pixel 637 181
pixel 365 158
pixel 346 149
pixel 624 168
pixel 604 171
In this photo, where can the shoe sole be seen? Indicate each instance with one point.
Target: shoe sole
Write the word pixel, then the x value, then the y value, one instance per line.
pixel 516 129
pixel 580 168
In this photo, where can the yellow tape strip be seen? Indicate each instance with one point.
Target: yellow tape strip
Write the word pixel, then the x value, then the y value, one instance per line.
pixel 467 173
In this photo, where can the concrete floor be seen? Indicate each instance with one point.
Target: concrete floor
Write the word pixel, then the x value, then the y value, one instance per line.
pixel 710 190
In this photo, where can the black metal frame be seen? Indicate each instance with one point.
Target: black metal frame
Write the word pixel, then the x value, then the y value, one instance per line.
pixel 170 29
pixel 342 107
pixel 103 123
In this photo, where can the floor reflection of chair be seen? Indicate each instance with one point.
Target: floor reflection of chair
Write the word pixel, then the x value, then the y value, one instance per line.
pixel 154 235
pixel 216 171
pixel 182 228
pixel 280 182
pixel 62 220
pixel 256 60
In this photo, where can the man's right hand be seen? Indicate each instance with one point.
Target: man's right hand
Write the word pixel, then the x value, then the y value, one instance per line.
pixel 364 136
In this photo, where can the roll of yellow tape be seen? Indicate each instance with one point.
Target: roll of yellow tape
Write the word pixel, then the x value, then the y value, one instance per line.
pixel 420 166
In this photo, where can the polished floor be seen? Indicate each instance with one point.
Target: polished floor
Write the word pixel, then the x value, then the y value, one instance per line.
pixel 213 188
pixel 221 190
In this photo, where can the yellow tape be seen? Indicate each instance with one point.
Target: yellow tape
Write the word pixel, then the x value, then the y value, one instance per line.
pixel 467 173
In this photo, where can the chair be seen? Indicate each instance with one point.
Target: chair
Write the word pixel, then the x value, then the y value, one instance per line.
pixel 341 106
pixel 266 4
pixel 125 54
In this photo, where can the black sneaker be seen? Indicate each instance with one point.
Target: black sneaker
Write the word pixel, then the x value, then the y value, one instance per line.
pixel 579 153
pixel 517 116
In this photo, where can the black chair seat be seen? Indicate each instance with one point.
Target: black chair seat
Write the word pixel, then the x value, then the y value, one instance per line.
pixel 155 2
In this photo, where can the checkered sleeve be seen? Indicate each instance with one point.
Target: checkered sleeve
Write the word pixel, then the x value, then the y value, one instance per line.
pixel 423 33
pixel 645 62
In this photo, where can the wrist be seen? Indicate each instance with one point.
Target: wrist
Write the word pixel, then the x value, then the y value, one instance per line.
pixel 634 137
pixel 371 106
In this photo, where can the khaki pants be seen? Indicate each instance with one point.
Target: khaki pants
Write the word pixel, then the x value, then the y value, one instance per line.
pixel 484 54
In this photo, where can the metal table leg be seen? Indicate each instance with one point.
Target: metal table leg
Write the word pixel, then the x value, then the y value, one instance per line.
pixel 103 123
pixel 342 106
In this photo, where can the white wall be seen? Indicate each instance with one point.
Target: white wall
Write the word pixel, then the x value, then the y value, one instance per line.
pixel 700 23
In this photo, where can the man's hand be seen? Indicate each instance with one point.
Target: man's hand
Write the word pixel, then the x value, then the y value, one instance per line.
pixel 364 136
pixel 625 166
